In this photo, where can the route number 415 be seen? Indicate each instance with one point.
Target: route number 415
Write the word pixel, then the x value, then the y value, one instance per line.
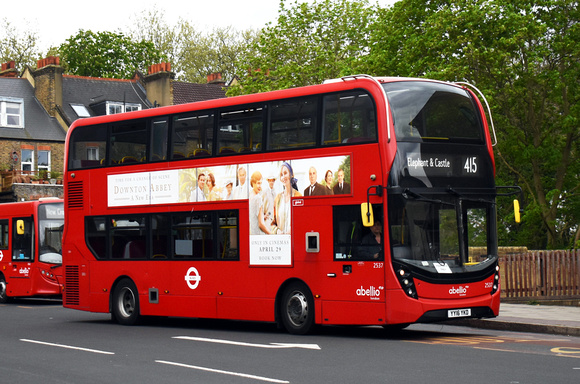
pixel 471 165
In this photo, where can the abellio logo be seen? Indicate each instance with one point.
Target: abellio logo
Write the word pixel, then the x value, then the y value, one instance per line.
pixel 371 292
pixel 461 290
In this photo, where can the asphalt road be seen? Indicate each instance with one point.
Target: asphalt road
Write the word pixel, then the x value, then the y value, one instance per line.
pixel 41 342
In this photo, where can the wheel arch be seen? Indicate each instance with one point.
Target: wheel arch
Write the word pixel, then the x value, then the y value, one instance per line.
pixel 279 294
pixel 114 285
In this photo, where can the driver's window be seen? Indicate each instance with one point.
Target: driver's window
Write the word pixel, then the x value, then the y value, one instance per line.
pixel 22 235
pixel 352 240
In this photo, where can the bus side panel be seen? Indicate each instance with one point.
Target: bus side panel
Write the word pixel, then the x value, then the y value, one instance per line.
pixel 353 313
pixel 18 285
pixel 179 306
pixel 246 308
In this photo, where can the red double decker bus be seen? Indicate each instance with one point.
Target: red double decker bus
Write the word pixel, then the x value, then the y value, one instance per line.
pixel 358 201
pixel 30 248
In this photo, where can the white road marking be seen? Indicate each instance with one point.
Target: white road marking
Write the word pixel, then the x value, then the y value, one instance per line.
pixel 230 342
pixel 261 378
pixel 67 346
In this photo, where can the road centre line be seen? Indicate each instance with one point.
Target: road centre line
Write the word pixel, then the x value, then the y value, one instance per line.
pixel 261 378
pixel 67 347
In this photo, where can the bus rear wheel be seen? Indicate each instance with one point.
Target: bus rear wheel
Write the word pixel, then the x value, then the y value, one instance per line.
pixel 297 309
pixel 125 305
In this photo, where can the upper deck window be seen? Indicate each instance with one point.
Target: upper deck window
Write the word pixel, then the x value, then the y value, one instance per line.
pixel 240 130
pixel 349 117
pixel 193 134
pixel 328 119
pixel 433 111
pixel 128 142
pixel 293 123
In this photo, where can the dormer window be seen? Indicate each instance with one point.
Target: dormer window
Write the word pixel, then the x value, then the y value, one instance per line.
pixel 11 112
pixel 116 107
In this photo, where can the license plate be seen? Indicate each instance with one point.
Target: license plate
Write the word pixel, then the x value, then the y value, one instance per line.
pixel 459 313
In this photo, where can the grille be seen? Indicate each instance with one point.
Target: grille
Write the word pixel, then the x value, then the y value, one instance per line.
pixel 71 285
pixel 75 195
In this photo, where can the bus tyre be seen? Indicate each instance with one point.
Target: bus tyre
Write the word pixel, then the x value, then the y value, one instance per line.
pixel 125 306
pixel 297 309
pixel 3 290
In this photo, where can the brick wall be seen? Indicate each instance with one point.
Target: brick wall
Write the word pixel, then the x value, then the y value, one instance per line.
pixel 56 153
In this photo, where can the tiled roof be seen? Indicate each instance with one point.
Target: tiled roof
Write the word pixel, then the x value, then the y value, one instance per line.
pixel 190 92
pixel 89 91
pixel 38 125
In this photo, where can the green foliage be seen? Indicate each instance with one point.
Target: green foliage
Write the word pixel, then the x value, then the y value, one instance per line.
pixel 308 44
pixel 524 56
pixel 20 46
pixel 107 54
pixel 194 54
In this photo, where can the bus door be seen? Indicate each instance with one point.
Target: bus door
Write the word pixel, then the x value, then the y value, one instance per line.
pixel 22 255
pixel 355 277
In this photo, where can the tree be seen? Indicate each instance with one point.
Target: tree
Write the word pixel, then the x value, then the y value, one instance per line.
pixel 194 54
pixel 107 54
pixel 308 44
pixel 18 46
pixel 525 57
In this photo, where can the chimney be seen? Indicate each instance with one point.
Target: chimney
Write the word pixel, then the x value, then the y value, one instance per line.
pixel 48 83
pixel 215 78
pixel 9 69
pixel 159 84
pixel 161 67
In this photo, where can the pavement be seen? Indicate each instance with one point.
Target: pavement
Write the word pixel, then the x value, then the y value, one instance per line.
pixel 550 319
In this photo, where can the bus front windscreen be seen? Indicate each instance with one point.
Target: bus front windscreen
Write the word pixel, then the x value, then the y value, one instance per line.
pixel 50 228
pixel 430 111
pixel 442 234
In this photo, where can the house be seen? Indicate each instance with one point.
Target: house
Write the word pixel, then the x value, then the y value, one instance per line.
pixel 38 106
pixel 31 140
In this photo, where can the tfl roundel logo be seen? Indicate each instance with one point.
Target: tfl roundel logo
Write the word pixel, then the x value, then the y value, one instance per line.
pixel 192 278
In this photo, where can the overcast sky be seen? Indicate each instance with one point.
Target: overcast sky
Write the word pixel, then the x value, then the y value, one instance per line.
pixel 56 21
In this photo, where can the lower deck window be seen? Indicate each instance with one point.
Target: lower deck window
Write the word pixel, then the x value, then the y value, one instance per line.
pixel 204 235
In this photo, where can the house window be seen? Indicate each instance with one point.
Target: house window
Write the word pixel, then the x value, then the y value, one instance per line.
pixel 80 110
pixel 44 160
pixel 114 107
pixel 92 153
pixel 27 161
pixel 11 112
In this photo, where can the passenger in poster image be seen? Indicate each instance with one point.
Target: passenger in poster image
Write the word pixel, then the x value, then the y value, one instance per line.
pixel 314 188
pixel 283 204
pixel 268 196
pixel 241 188
pixel 256 206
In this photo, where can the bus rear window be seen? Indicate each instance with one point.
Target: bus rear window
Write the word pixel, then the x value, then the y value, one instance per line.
pixel 433 111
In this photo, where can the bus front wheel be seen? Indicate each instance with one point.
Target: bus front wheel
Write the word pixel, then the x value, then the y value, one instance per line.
pixel 297 309
pixel 125 308
pixel 3 290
